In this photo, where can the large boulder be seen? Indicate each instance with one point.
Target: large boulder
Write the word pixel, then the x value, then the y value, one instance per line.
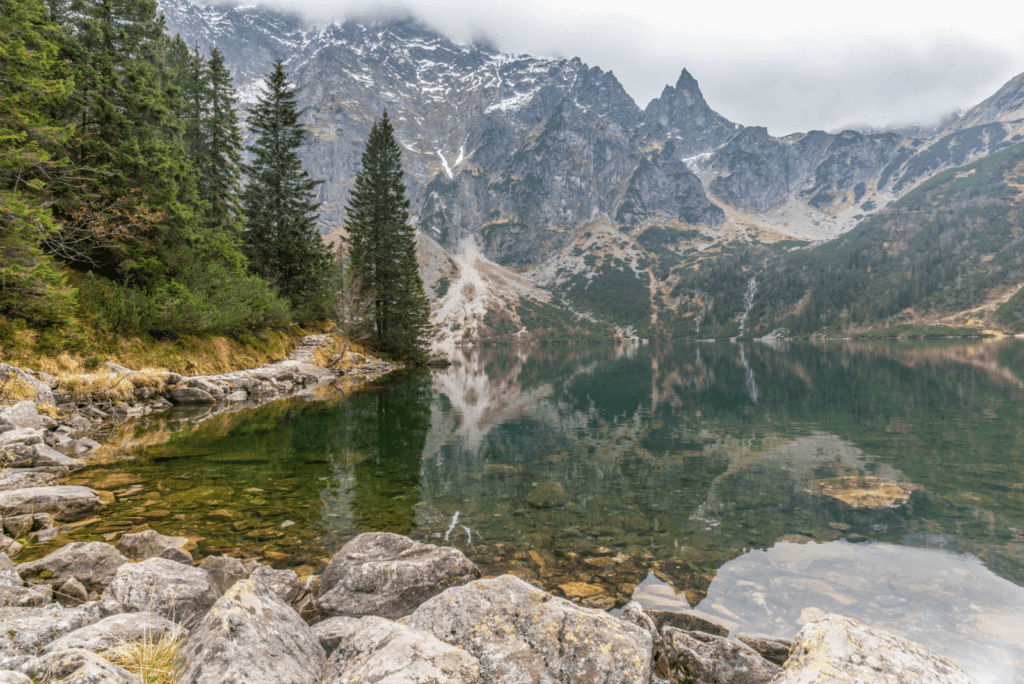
pixel 387 575
pixel 522 634
pixel 373 649
pixel 25 631
pixel 12 677
pixel 148 544
pixel 75 666
pixel 66 503
pixel 701 658
pixel 94 564
pixel 156 585
pixel 251 636
pixel 117 630
pixel 838 649
pixel 22 479
pixel 284 583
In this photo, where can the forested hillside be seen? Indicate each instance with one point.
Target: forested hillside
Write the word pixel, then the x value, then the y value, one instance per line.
pixel 949 246
pixel 119 182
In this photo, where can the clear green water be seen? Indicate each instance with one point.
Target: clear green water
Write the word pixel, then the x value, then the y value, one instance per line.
pixel 602 464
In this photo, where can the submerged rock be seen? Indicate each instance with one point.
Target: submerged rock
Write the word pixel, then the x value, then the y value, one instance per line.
pixel 839 649
pixel 250 635
pixel 521 634
pixel 866 492
pixel 546 495
pixel 373 649
pixel 387 575
pixel 161 586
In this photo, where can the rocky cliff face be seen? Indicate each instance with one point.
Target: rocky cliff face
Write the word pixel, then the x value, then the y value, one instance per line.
pixel 514 158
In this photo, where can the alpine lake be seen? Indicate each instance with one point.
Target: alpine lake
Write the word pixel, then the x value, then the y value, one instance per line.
pixel 765 483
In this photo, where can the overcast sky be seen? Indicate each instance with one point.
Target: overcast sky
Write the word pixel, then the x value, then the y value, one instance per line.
pixel 790 65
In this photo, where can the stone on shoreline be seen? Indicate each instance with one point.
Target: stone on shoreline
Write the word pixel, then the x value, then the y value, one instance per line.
pixel 24 415
pixel 387 575
pixel 25 631
pixel 11 479
pixel 836 648
pixel 225 571
pixel 27 436
pixel 688 621
pixel 772 649
pixel 94 564
pixel 66 503
pixel 191 395
pixel 284 583
pixel 250 635
pixel 45 456
pixel 522 634
pixel 701 658
pixel 373 649
pixel 117 630
pixel 148 544
pixel 75 666
pixel 163 587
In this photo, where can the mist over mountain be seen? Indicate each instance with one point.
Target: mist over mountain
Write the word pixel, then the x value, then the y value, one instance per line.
pixel 548 170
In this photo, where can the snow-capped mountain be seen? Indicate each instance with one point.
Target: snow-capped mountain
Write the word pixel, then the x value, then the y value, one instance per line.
pixel 549 168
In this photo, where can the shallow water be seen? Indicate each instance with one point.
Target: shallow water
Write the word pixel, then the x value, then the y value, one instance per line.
pixel 603 464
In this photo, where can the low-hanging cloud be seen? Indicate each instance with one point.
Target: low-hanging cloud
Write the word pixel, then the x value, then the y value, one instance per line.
pixel 787 66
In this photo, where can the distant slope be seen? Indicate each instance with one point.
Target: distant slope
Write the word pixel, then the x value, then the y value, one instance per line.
pixel 950 251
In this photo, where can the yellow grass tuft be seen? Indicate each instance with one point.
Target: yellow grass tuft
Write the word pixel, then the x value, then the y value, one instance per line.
pixel 154 661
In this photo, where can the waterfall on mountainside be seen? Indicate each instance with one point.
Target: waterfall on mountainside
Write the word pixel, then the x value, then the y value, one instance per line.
pixel 751 289
pixel 751 383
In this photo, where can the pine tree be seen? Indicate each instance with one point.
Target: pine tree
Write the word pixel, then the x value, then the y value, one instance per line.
pixel 281 238
pixel 382 248
pixel 128 149
pixel 224 147
pixel 32 163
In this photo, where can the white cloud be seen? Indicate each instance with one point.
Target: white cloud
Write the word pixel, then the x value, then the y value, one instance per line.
pixel 794 65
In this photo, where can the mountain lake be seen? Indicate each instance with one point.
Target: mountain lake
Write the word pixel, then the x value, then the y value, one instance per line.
pixel 765 483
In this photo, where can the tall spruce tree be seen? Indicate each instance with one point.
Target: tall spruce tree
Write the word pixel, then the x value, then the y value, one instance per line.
pixel 32 164
pixel 382 249
pixel 221 186
pixel 281 238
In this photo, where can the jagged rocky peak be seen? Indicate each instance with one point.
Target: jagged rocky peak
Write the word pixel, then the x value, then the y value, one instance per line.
pixel 682 112
pixel 1006 106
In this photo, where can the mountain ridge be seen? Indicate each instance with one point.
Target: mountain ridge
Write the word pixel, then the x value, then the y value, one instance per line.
pixel 514 158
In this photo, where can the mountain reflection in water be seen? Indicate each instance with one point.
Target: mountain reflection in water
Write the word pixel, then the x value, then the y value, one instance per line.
pixel 584 469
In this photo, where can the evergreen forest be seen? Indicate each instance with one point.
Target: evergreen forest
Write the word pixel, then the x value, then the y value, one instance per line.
pixel 122 209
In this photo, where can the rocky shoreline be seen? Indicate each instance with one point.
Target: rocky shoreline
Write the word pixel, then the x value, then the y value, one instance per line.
pixel 389 609
pixel 385 609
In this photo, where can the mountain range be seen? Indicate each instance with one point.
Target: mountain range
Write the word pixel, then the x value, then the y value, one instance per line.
pixel 547 200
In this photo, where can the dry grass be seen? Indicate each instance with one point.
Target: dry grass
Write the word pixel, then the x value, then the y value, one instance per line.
pixel 13 389
pixel 334 354
pixel 154 661
pixel 186 355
